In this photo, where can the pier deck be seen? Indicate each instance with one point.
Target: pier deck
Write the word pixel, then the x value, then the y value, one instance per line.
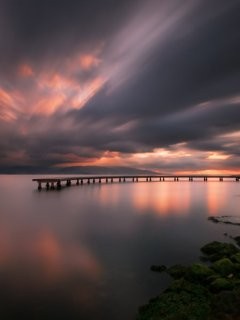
pixel 59 182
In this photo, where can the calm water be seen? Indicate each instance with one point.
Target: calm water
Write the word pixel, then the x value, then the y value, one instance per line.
pixel 85 252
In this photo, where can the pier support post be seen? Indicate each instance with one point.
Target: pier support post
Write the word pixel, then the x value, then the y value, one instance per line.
pixel 124 179
pixel 220 179
pixel 136 179
pixel 120 180
pixel 77 182
pixel 52 186
pixel 93 180
pixel 150 179
pixel 132 179
pixel 88 181
pixel 106 180
pixel 47 185
pixel 100 180
pixel 147 179
pixel 81 181
pixel 111 180
pixel 59 185
pixel 39 186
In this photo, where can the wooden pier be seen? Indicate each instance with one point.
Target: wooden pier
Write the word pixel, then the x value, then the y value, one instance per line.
pixel 59 182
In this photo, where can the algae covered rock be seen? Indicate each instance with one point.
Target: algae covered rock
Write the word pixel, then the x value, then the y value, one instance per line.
pixel 177 271
pixel 225 305
pixel 199 272
pixel 221 284
pixel 217 250
pixel 237 239
pixel 236 258
pixel 224 267
pixel 183 300
pixel 199 291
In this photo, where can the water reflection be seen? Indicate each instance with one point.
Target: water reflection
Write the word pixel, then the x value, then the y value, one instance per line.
pixel 85 252
pixel 162 198
pixel 216 198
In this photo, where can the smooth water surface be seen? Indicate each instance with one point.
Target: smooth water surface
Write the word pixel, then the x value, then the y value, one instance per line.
pixel 85 252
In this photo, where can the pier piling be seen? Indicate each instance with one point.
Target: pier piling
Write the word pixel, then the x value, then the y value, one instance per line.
pixel 57 183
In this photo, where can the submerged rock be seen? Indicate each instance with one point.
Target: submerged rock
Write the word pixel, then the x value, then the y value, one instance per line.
pixel 225 219
pixel 213 219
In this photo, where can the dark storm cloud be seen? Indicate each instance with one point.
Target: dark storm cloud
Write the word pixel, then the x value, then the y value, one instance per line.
pixel 43 30
pixel 170 75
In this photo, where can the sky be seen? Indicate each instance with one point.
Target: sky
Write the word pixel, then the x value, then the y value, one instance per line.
pixel 99 85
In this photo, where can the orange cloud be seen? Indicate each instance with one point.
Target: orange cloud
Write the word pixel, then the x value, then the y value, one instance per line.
pixel 49 105
pixel 87 92
pixel 25 71
pixel 10 103
pixel 88 61
pixel 218 156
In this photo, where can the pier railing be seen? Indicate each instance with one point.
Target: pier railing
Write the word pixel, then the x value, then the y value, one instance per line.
pixel 59 182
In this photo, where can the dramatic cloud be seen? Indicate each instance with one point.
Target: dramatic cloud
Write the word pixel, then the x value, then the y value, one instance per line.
pixel 152 85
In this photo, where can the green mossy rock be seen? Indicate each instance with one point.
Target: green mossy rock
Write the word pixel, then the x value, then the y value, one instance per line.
pixel 221 284
pixel 182 301
pixel 225 305
pixel 236 258
pixel 237 239
pixel 217 250
pixel 224 267
pixel 177 271
pixel 237 268
pixel 199 272
pixel 200 292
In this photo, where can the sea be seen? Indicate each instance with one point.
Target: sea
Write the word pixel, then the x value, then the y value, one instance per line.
pixel 85 252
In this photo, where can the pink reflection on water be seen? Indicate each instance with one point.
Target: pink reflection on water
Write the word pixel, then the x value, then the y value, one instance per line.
pixel 163 198
pixel 216 197
pixel 36 260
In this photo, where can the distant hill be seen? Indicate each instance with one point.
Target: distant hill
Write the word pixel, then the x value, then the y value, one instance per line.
pixel 74 170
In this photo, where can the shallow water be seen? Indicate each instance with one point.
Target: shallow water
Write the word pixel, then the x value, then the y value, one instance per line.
pixel 85 252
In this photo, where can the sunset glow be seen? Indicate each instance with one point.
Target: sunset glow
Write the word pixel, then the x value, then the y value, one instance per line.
pixel 131 97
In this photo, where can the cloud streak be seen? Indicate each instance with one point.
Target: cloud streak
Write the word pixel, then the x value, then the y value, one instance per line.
pixel 149 85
